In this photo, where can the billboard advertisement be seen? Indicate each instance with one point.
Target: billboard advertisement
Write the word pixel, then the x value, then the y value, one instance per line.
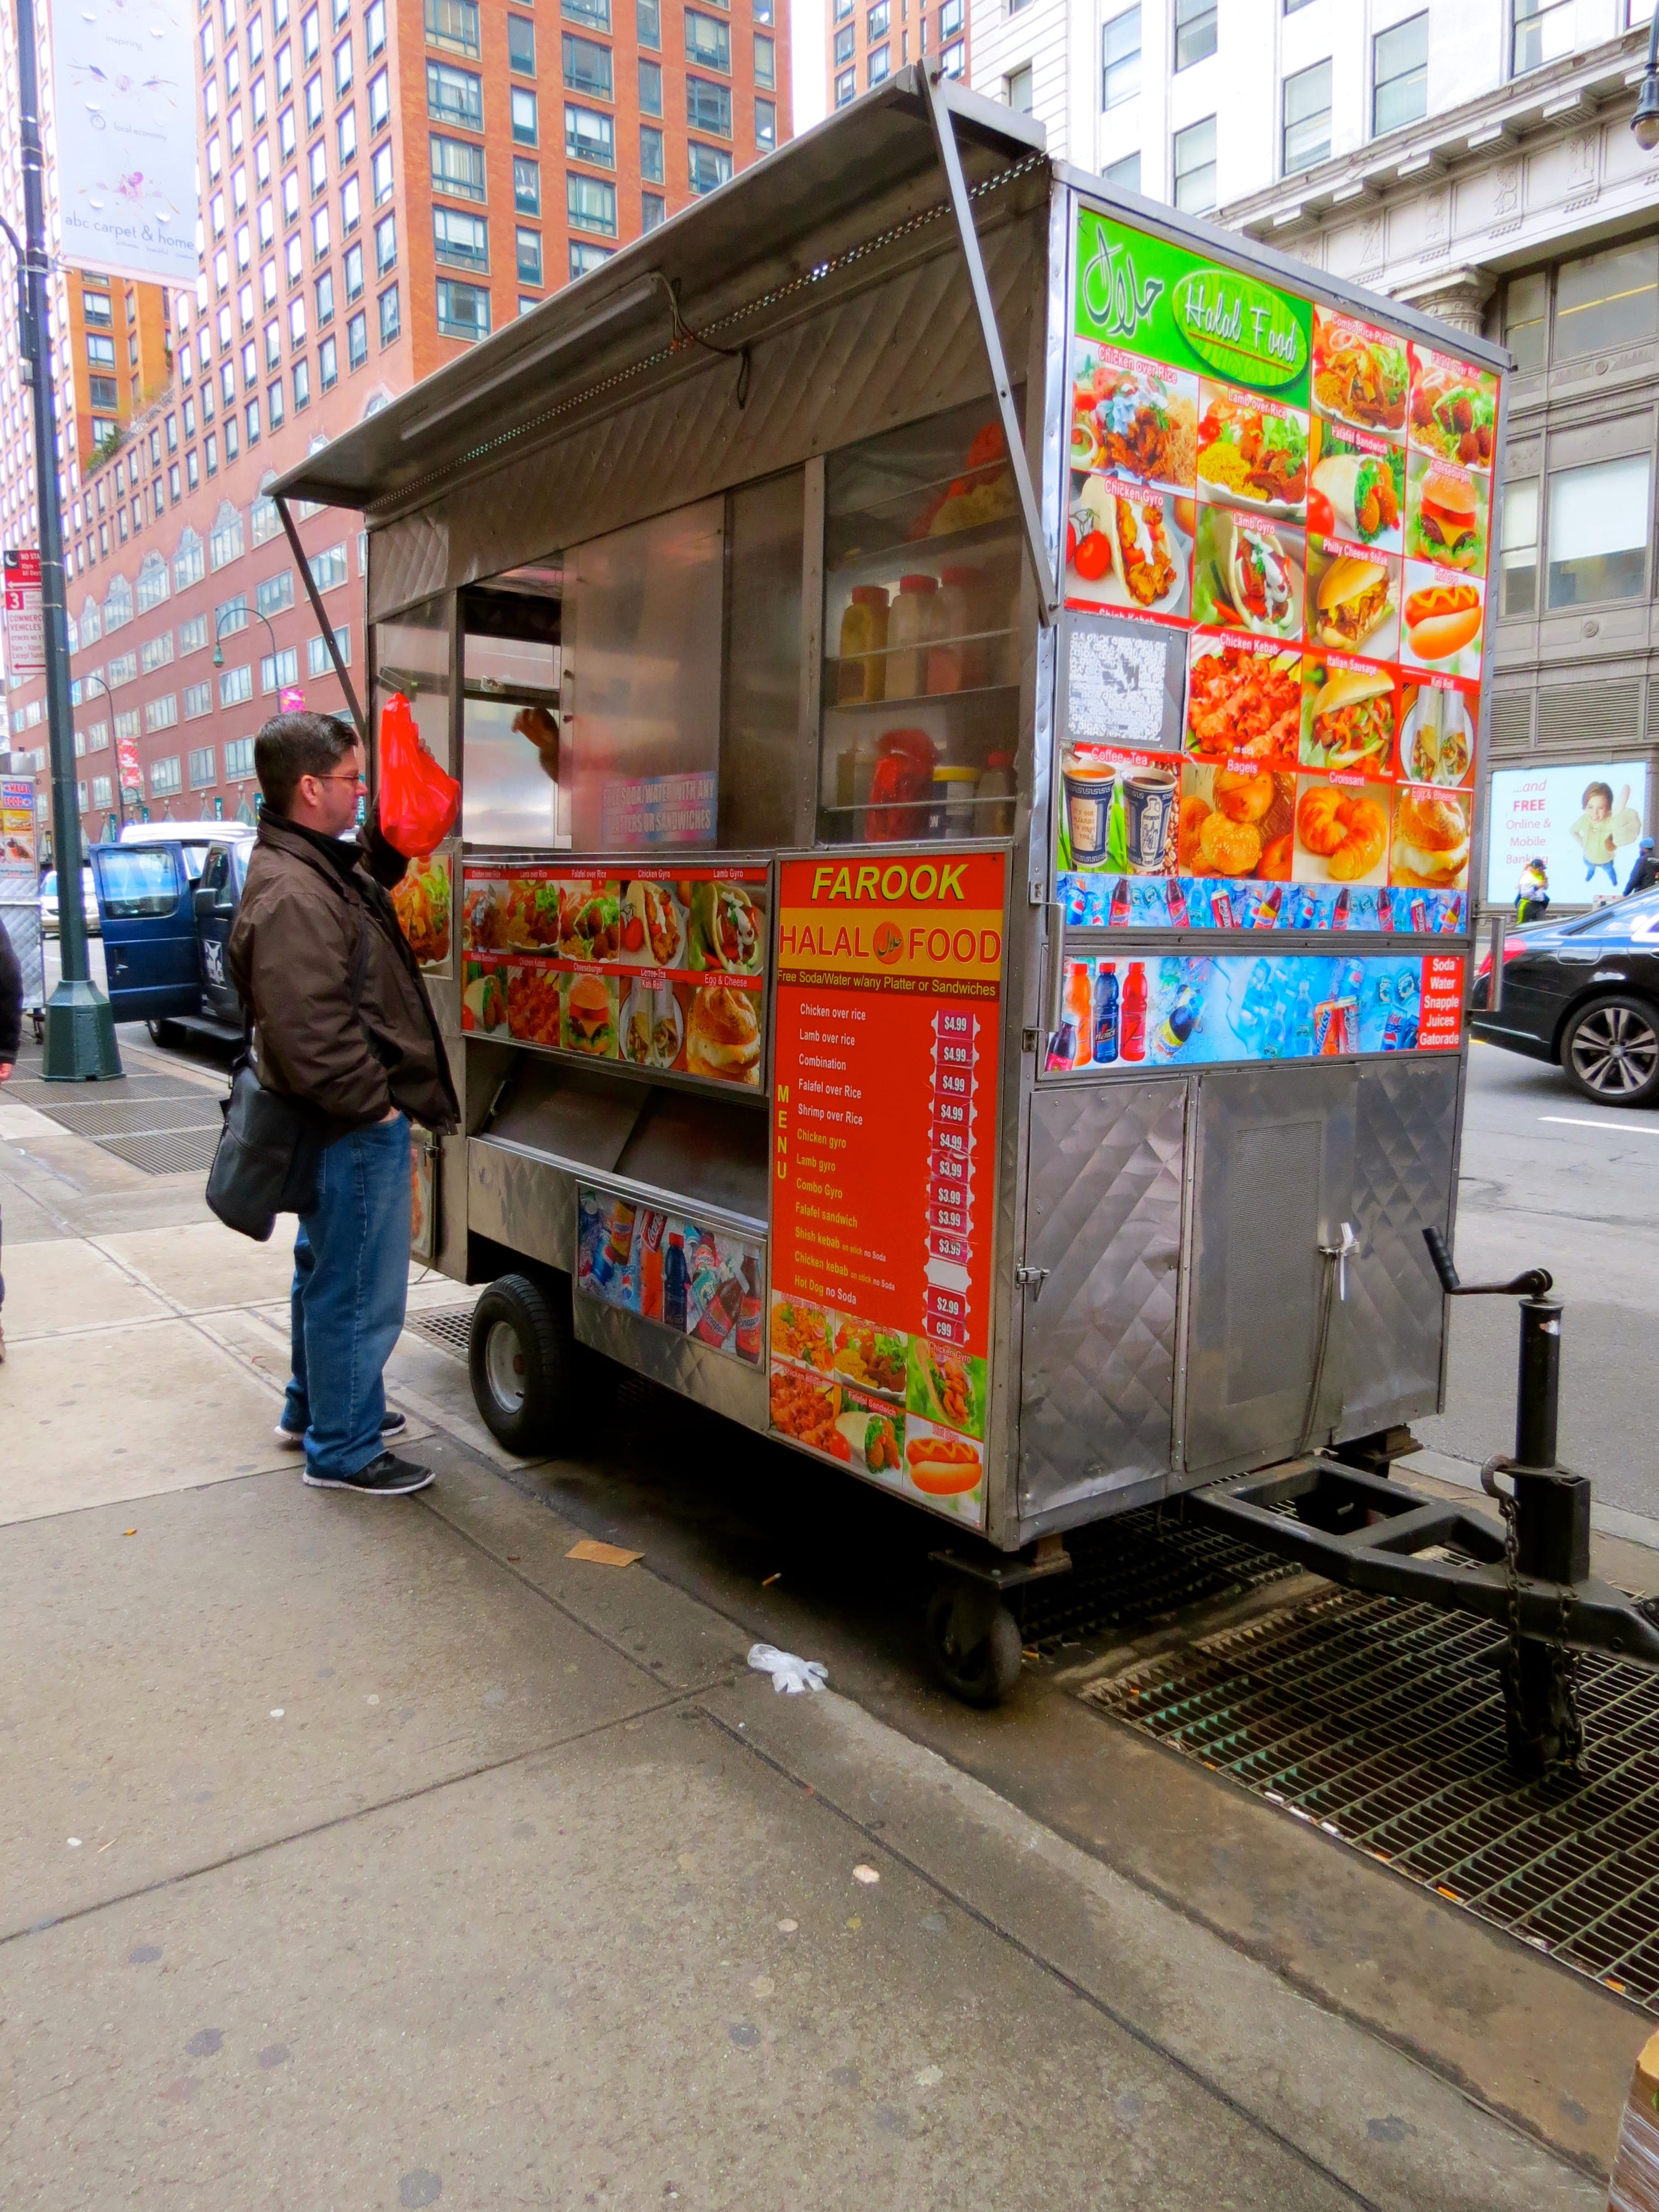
pixel 1277 540
pixel 124 116
pixel 1583 821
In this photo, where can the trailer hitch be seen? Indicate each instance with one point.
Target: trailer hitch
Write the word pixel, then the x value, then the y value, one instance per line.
pixel 1533 1578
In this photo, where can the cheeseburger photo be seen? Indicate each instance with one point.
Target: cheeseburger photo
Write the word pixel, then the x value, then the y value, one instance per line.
pixel 722 1034
pixel 1447 525
pixel 590 1017
pixel 1430 840
pixel 1356 606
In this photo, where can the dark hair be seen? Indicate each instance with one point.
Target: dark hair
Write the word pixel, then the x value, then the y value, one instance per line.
pixel 293 745
pixel 1591 790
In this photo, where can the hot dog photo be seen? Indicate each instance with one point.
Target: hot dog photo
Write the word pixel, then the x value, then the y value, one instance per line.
pixel 1442 620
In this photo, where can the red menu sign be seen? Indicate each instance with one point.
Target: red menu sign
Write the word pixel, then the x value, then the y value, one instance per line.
pixel 890 973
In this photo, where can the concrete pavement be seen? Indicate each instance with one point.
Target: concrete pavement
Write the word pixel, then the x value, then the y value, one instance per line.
pixel 365 1853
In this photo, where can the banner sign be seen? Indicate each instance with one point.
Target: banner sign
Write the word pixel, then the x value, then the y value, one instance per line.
pixel 1278 537
pixel 890 978
pixel 123 84
pixel 25 611
pixel 131 769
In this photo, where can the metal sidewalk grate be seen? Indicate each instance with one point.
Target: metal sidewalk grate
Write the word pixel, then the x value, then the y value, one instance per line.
pixel 163 1124
pixel 122 1117
pixel 166 1152
pixel 1383 1722
pixel 1137 1569
pixel 445 1325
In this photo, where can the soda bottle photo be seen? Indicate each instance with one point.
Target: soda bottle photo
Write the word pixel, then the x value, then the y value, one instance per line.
pixel 1105 1026
pixel 1132 1016
pixel 674 1281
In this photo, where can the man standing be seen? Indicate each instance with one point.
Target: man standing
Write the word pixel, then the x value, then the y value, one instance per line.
pixel 1645 874
pixel 343 1021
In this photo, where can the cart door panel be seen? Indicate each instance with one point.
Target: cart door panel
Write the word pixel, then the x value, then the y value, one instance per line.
pixel 1274 1180
pixel 1103 1217
pixel 1402 1180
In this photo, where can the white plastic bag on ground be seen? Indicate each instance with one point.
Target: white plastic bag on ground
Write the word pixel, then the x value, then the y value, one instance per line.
pixel 787 1672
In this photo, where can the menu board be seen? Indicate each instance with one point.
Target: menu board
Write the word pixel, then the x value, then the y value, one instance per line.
pixel 662 969
pixel 690 1279
pixel 1277 1006
pixel 423 900
pixel 890 975
pixel 1277 543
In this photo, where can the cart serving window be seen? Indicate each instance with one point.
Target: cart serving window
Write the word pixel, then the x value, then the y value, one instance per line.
pixel 968 690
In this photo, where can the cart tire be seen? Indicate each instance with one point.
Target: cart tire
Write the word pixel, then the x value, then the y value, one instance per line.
pixel 525 1365
pixel 981 1671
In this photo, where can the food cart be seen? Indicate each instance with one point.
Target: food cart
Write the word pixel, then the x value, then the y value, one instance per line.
pixel 968 688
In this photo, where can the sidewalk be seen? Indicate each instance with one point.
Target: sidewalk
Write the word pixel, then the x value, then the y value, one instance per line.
pixel 368 1853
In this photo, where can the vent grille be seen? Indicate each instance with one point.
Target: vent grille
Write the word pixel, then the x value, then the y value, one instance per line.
pixel 1511 721
pixel 1593 715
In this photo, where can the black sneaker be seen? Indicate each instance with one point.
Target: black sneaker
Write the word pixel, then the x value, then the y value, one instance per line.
pixel 386 1477
pixel 392 1423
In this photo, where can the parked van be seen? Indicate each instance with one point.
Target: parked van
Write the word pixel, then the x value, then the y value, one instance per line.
pixel 157 929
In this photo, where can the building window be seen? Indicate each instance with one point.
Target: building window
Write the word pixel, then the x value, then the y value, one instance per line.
pixel 879 66
pixel 595 14
pixel 325 291
pixel 279 669
pixel 710 167
pixel 457 168
pixel 650 88
pixel 529 245
pixel 329 568
pixel 709 107
pixel 354 273
pixel 1307 118
pixel 766 63
pixel 526 186
pixel 164 776
pixel 847 85
pixel 846 44
pixel 161 714
pixel 586 66
pixel 588 136
pixel 1194 167
pixel 585 259
pixel 1526 319
pixel 462 310
pixel 651 154
pixel 201 776
pixel 454 23
pixel 1518 556
pixel 1399 75
pixel 374 29
pixel 460 241
pixel 1017 90
pixel 102 795
pixel 225 542
pixel 239 760
pixel 301 375
pixel 1542 32
pixel 590 204
pixel 318 662
pixel 1125 175
pixel 454 95
pixel 379 101
pixel 274 408
pixel 351 206
pixel 653 211
pixel 878 21
pixel 708 42
pixel 1598 531
pixel 523 109
pixel 1608 300
pixel 1120 58
pixel 521 44
pixel 235 686
pixel 380 172
pixel 1194 33
pixel 343 69
pixel 766 124
pixel 357 340
pixel 314 103
pixel 385 244
pixel 328 364
pixel 389 325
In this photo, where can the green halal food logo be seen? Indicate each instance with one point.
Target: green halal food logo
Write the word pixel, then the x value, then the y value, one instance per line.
pixel 1116 297
pixel 1239 326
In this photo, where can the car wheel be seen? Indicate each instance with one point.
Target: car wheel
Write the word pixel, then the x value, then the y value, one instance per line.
pixel 1611 1052
pixel 164 1033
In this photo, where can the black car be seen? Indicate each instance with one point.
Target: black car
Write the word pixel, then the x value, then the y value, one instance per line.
pixel 1585 993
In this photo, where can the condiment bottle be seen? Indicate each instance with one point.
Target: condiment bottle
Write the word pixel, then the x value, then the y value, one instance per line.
pixel 862 674
pixel 952 618
pixel 996 783
pixel 952 814
pixel 910 626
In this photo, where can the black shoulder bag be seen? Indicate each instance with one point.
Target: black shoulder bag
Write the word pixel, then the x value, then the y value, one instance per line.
pixel 270 1151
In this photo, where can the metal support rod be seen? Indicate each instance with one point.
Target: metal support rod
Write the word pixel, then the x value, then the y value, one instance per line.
pixel 92 676
pixel 80 1028
pixel 321 613
pixel 1538 1391
pixel 962 207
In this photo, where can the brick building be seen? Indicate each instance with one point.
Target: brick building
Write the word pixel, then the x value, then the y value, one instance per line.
pixel 868 40
pixel 384 182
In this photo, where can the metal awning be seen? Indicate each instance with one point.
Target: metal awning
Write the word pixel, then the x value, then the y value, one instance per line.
pixel 755 230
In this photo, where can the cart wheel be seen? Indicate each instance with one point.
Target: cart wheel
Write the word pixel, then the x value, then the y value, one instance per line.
pixel 525 1364
pixel 974 1643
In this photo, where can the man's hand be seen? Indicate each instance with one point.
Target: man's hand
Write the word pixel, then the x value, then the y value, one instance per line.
pixel 391 1113
pixel 6 1067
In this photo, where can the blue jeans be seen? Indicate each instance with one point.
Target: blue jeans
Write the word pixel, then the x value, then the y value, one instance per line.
pixel 350 1286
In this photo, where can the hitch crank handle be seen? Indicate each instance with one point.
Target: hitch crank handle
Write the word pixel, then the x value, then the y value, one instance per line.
pixel 1538 1393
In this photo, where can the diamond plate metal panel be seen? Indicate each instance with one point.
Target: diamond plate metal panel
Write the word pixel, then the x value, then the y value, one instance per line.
pixel 1403 1184
pixel 900 349
pixel 1103 1216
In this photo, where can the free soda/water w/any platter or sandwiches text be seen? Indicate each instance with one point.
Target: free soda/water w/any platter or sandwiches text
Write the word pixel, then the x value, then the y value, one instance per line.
pixel 1295 503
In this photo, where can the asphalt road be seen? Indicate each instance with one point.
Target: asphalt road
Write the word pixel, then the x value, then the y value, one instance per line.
pixel 1550 1181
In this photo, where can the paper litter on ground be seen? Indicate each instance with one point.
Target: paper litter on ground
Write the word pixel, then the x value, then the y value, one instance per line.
pixel 602 1555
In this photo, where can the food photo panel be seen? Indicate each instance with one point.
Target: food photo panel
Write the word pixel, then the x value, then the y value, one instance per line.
pixel 1252 452
pixel 1454 410
pixel 1357 488
pixel 1360 373
pixel 1130 548
pixel 1438 719
pixel 1134 419
pixel 1248 573
pixel 1442 621
pixel 1236 821
pixel 1244 700
pixel 1349 712
pixel 1353 598
pixel 1448 513
pixel 1341 832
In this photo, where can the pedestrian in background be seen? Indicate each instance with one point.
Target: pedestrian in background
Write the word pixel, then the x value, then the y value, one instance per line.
pixel 342 1021
pixel 11 1035
pixel 1645 874
pixel 1532 901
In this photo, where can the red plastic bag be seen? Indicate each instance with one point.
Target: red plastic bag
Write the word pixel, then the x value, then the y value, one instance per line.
pixel 420 805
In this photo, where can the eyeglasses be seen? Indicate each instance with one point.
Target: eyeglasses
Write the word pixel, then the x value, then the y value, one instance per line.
pixel 350 776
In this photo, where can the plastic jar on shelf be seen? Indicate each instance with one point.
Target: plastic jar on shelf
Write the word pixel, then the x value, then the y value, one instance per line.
pixel 861 675
pixel 952 812
pixel 955 615
pixel 910 626
pixel 996 785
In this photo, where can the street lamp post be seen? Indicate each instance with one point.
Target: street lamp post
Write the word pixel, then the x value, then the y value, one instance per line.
pixel 92 676
pixel 218 627
pixel 80 1027
pixel 1645 121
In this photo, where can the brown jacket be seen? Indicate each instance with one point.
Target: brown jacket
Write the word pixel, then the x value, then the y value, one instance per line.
pixel 295 955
